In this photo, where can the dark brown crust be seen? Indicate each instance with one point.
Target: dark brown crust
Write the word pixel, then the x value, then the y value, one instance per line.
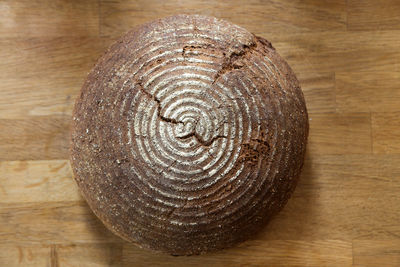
pixel 189 135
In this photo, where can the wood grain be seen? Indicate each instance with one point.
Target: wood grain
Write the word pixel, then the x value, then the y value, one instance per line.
pixel 346 55
pixel 338 51
pixel 254 253
pixel 282 16
pixel 24 255
pixel 370 15
pixel 32 138
pixel 334 200
pixel 88 255
pixel 339 133
pixel 37 181
pixel 369 253
pixel 51 222
pixel 368 91
pixel 386 132
pixel 43 76
pixel 319 91
pixel 28 18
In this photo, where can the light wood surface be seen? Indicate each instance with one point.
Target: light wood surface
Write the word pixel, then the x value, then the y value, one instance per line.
pixel 346 54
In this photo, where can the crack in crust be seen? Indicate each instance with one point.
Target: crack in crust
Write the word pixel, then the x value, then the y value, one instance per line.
pixel 200 139
pixel 154 98
pixel 234 60
pixel 174 121
pixel 255 149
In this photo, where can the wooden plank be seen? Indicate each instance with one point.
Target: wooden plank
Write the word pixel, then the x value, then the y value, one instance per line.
pixel 27 18
pixel 43 76
pixel 87 255
pixel 386 132
pixel 319 91
pixel 119 16
pixel 42 137
pixel 339 51
pixel 333 200
pixel 306 51
pixel 368 91
pixel 24 255
pixel 52 222
pixel 253 253
pixel 369 253
pixel 339 133
pixel 369 15
pixel 37 181
pixel 342 197
pixel 314 51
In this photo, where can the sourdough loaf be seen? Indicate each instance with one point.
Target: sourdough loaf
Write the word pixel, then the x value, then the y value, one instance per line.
pixel 189 135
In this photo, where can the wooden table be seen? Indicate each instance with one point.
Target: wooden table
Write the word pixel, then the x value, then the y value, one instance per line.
pixel 346 208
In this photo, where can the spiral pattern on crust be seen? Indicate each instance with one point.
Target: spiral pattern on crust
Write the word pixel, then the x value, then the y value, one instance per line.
pixel 188 135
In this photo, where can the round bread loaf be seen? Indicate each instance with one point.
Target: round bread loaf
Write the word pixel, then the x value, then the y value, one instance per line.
pixel 188 135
